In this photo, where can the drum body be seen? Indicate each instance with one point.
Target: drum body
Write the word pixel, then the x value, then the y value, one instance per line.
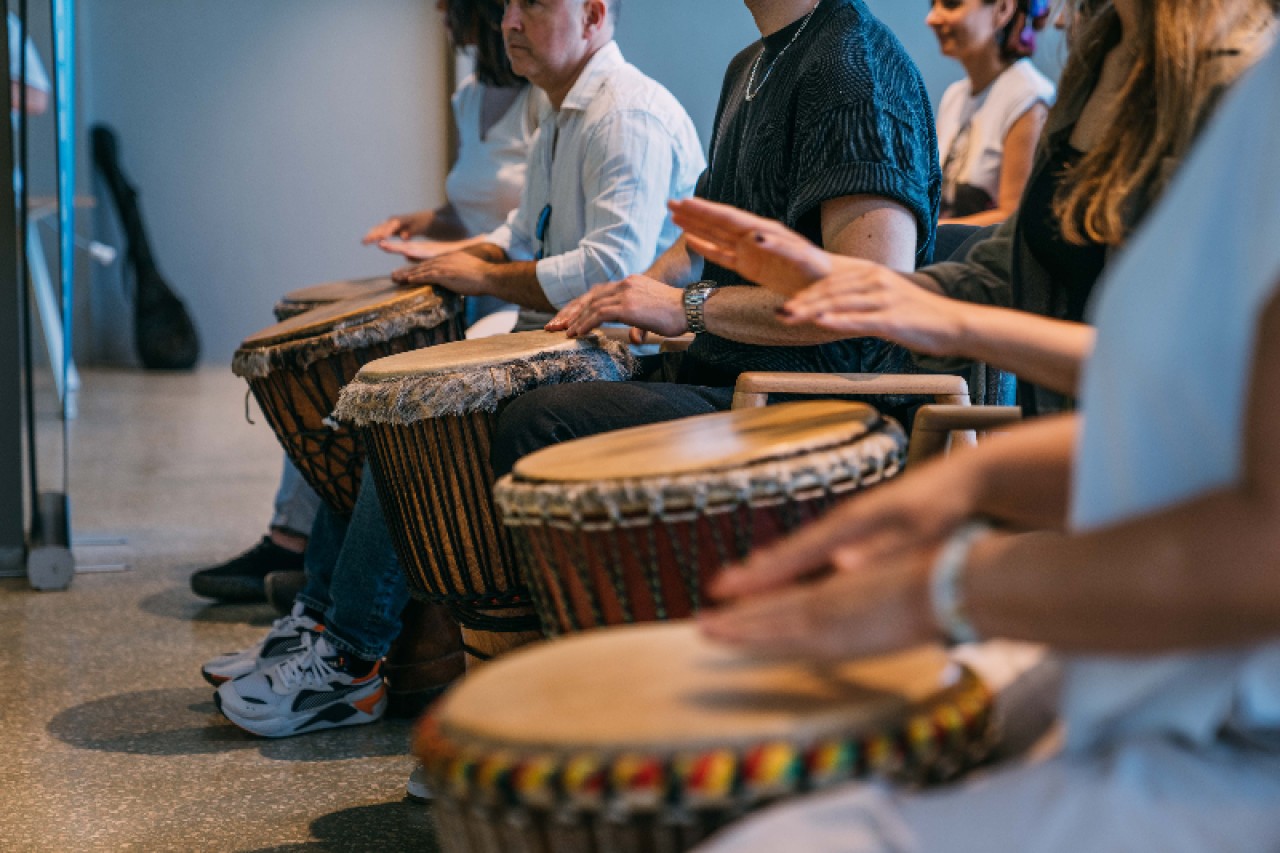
pixel 297 368
pixel 630 526
pixel 427 419
pixel 653 739
pixel 306 299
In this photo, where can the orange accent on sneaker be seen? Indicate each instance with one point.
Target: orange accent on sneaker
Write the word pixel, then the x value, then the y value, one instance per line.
pixel 370 702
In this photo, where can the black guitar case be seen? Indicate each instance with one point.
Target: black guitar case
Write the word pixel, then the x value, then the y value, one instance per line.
pixel 163 334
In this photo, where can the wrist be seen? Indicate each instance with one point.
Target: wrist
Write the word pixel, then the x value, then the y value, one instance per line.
pixel 947 593
pixel 694 301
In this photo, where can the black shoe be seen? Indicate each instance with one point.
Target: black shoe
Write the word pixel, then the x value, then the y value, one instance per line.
pixel 283 587
pixel 240 579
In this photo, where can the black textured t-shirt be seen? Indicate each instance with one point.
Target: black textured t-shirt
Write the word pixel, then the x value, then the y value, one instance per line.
pixel 843 112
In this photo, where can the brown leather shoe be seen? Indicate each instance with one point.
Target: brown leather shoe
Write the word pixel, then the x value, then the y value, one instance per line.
pixel 425 659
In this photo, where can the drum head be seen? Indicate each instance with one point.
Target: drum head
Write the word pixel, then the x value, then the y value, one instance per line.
pixel 663 688
pixel 465 355
pixel 375 302
pixel 701 444
pixel 335 291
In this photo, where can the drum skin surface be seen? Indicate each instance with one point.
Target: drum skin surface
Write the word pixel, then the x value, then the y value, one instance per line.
pixel 701 444
pixel 305 299
pixel 647 737
pixel 471 355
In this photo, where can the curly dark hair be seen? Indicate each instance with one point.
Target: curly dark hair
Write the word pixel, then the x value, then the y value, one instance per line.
pixel 479 23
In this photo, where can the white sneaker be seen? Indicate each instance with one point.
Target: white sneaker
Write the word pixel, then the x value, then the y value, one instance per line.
pixel 284 640
pixel 311 691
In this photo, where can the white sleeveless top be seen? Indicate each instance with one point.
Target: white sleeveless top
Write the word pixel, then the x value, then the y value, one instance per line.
pixel 972 127
pixel 485 182
pixel 1164 398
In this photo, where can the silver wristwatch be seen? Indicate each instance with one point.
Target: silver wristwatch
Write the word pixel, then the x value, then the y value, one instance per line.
pixel 695 299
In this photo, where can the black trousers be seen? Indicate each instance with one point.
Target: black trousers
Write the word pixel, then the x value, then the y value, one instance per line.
pixel 557 413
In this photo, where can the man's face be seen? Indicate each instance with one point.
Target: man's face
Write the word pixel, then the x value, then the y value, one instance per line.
pixel 546 39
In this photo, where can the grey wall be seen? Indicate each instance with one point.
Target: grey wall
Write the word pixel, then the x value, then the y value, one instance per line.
pixel 265 137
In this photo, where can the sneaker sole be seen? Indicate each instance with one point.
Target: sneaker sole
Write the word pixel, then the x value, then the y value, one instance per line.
pixel 334 716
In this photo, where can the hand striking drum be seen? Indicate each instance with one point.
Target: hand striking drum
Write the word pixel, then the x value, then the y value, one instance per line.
pixel 296 369
pixel 630 525
pixel 427 418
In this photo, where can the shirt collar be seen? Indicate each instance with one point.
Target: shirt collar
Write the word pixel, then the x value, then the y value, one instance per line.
pixel 584 89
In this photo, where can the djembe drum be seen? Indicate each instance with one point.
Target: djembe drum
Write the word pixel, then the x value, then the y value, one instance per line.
pixel 296 369
pixel 426 418
pixel 630 525
pixel 647 737
pixel 306 299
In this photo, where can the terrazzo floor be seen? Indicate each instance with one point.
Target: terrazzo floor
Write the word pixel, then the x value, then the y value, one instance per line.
pixel 110 737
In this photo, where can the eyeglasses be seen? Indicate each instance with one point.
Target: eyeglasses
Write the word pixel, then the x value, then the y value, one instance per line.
pixel 540 231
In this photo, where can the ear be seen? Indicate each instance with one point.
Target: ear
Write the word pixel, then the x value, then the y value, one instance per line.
pixel 595 16
pixel 1005 10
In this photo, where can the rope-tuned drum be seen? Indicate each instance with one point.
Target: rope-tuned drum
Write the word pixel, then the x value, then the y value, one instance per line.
pixel 427 420
pixel 297 367
pixel 630 525
pixel 306 299
pixel 651 738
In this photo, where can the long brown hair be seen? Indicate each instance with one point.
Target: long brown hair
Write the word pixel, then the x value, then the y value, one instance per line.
pixel 479 22
pixel 1173 84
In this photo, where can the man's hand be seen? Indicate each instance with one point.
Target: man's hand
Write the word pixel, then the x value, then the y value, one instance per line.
pixel 463 273
pixel 404 226
pixel 639 301
pixel 758 249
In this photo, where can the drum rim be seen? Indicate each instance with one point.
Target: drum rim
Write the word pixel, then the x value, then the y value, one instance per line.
pixel 933 739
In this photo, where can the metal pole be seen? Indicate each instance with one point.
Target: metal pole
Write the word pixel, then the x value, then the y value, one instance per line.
pixel 12 504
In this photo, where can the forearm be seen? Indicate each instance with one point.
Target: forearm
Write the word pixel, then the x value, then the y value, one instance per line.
pixel 1201 575
pixel 677 266
pixel 749 315
pixel 1021 478
pixel 1044 351
pixel 517 281
pixel 487 252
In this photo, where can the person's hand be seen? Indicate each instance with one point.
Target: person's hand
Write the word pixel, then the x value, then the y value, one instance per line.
pixel 760 250
pixel 404 226
pixel 639 301
pixel 460 272
pixel 852 582
pixel 415 250
pixel 855 609
pixel 865 299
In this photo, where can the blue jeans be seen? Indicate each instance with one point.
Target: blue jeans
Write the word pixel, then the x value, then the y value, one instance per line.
pixel 354 578
pixel 296 503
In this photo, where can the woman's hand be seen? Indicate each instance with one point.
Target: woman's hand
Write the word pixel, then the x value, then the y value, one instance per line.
pixel 404 226
pixel 866 299
pixel 758 249
pixel 416 250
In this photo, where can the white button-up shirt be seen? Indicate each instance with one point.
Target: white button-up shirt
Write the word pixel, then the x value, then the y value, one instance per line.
pixel 606 162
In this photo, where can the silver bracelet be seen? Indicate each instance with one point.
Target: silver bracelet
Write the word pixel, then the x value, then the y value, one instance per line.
pixel 944 583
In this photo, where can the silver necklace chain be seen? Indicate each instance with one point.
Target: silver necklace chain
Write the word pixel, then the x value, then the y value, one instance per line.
pixel 755 66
